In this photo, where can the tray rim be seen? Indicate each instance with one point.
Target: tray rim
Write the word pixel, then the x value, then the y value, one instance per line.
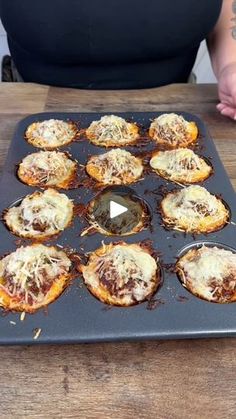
pixel 142 336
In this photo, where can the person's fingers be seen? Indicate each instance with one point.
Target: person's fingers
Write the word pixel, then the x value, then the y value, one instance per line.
pixel 228 111
pixel 229 100
pixel 224 98
pixel 220 106
pixel 227 91
pixel 234 96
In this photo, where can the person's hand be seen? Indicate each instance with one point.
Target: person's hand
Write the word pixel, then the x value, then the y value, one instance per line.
pixel 227 91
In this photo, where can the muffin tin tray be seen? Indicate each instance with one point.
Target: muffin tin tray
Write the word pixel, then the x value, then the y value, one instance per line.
pixel 76 316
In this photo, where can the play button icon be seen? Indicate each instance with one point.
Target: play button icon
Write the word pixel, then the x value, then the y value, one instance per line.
pixel 117 210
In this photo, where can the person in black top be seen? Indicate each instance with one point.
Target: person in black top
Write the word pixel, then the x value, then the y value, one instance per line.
pixel 121 44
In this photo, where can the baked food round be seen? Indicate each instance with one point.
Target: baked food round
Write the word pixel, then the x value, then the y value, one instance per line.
pixel 116 167
pixel 194 210
pixel 209 273
pixel 48 168
pixel 112 131
pixel 181 165
pixel 173 131
pixel 32 277
pixel 40 215
pixel 135 218
pixel 121 274
pixel 51 133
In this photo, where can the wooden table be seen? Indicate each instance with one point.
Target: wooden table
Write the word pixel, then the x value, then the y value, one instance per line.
pixel 162 379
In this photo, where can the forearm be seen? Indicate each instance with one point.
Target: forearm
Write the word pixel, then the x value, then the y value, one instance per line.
pixel 222 40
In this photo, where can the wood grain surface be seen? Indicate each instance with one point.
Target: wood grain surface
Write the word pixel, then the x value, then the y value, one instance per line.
pixel 160 379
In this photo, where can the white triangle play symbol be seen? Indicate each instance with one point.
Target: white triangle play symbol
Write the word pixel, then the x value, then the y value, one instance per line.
pixel 116 209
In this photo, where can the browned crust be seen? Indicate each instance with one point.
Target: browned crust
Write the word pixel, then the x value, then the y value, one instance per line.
pixel 103 294
pixel 10 304
pixel 199 178
pixel 111 142
pixel 188 140
pixel 107 299
pixel 94 172
pixel 172 225
pixel 40 237
pixel 68 183
pixel 186 281
pixel 35 142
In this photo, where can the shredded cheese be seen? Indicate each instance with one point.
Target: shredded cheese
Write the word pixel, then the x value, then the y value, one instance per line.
pixel 172 129
pixel 180 165
pixel 40 214
pixel 111 128
pixel 37 333
pixel 29 272
pixel 126 270
pixel 22 316
pixel 50 133
pixel 46 167
pixel 174 125
pixel 208 270
pixel 190 206
pixel 116 166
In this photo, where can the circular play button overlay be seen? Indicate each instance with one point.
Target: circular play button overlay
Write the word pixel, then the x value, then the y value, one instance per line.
pixel 117 210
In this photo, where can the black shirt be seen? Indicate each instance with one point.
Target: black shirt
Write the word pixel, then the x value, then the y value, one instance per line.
pixel 107 44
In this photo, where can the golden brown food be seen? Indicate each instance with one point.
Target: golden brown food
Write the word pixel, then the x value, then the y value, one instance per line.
pixel 51 133
pixel 121 274
pixel 40 215
pixel 48 168
pixel 116 167
pixel 173 131
pixel 194 210
pixel 112 131
pixel 209 273
pixel 32 277
pixel 181 165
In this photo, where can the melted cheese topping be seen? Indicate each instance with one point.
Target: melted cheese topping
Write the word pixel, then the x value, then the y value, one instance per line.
pixel 28 273
pixel 41 214
pixel 112 130
pixel 192 208
pixel 210 272
pixel 49 168
pixel 127 272
pixel 116 167
pixel 180 165
pixel 50 133
pixel 170 128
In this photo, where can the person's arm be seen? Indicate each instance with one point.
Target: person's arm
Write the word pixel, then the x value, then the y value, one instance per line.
pixel 222 48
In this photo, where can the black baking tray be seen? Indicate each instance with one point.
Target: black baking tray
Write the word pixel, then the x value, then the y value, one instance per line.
pixel 76 316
